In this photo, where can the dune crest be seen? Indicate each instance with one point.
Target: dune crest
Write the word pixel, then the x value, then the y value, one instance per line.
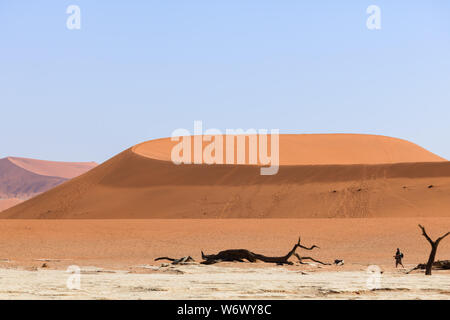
pixel 316 149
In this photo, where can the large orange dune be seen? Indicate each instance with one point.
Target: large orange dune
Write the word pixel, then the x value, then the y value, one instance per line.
pixel 321 176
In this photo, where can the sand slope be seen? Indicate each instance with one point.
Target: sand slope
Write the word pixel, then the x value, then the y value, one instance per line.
pixel 22 178
pixel 132 185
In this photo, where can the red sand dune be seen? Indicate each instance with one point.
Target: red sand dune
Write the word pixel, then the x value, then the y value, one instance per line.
pixel 321 176
pixel 22 178
pixel 66 170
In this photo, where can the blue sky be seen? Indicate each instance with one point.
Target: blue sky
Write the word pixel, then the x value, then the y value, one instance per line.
pixel 137 70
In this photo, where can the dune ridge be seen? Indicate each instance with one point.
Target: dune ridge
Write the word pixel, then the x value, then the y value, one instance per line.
pixel 314 149
pixel 134 185
pixel 67 170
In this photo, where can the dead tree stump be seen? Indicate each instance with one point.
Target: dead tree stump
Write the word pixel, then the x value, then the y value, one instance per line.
pixel 434 246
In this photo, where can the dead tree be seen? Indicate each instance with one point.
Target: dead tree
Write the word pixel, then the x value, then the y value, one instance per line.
pixel 284 259
pixel 434 246
pixel 437 265
pixel 182 260
pixel 300 260
pixel 242 254
pixel 229 255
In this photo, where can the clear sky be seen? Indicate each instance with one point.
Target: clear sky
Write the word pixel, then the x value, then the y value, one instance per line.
pixel 137 70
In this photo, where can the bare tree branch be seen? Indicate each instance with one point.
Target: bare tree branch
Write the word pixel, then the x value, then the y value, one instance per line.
pixel 300 260
pixel 182 260
pixel 310 248
pixel 424 233
pixel 306 248
pixel 440 238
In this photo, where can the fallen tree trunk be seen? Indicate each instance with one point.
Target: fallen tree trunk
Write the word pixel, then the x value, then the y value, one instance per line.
pixel 177 261
pixel 240 255
pixel 437 265
pixel 300 260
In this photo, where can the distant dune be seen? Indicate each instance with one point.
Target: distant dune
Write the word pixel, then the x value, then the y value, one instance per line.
pixel 67 170
pixel 22 178
pixel 321 176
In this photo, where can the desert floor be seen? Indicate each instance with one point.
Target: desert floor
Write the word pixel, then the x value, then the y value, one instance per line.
pixel 116 258
pixel 222 282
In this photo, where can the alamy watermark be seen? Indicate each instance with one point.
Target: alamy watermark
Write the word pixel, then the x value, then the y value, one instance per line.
pixel 74 280
pixel 373 281
pixel 374 20
pixel 230 148
pixel 73 21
